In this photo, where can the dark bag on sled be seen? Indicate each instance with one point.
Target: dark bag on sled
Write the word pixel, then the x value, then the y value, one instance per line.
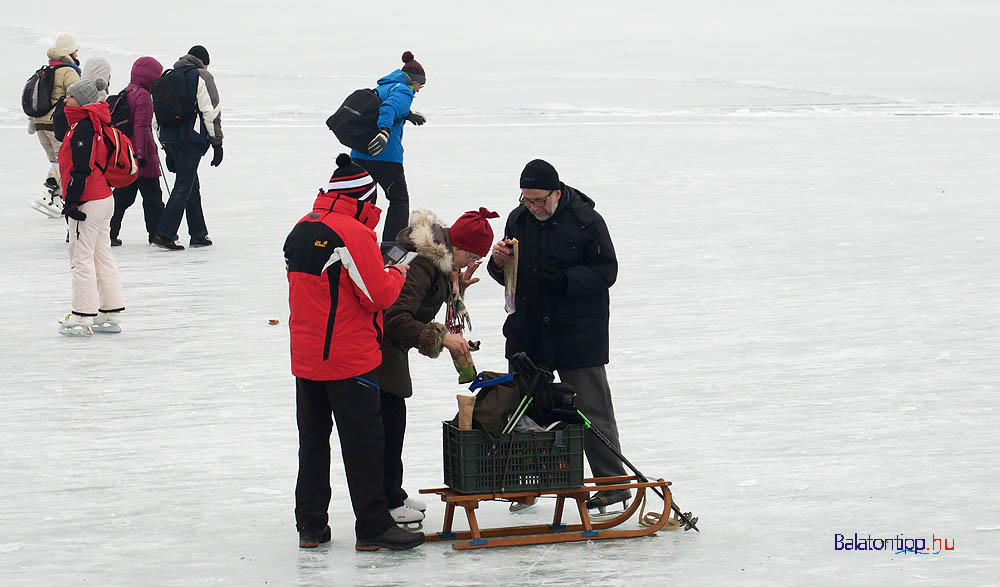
pixel 356 121
pixel 555 402
pixel 497 399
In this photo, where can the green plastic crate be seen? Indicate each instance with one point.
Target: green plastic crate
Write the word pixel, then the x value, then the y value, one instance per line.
pixel 521 461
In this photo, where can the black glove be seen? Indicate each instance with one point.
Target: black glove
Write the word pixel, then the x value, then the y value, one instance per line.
pixel 553 279
pixel 379 142
pixel 416 118
pixel 216 154
pixel 73 211
pixel 170 164
pixel 142 163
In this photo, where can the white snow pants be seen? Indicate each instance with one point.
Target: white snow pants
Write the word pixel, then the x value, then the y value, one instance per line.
pixel 96 285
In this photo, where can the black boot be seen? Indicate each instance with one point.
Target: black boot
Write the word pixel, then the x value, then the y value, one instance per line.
pixel 165 243
pixel 312 540
pixel 395 538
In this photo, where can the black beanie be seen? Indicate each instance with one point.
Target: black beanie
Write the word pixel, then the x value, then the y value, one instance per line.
pixel 540 175
pixel 351 179
pixel 199 52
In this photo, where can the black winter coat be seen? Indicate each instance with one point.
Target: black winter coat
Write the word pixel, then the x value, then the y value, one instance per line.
pixel 561 329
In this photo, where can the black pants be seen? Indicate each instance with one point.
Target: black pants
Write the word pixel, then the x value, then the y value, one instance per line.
pixel 390 177
pixel 355 406
pixel 152 203
pixel 185 199
pixel 394 424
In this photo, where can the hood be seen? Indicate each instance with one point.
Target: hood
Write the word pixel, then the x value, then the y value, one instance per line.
pixel 57 54
pixel 396 77
pixel 97 67
pixel 364 212
pixel 428 236
pixel 97 112
pixel 145 71
pixel 189 61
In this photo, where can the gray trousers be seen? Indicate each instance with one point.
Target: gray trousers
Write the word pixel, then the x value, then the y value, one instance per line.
pixel 593 398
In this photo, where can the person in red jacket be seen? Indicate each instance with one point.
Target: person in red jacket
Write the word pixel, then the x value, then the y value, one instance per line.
pixel 338 287
pixel 97 289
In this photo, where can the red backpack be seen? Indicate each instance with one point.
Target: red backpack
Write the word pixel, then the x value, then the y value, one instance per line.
pixel 121 167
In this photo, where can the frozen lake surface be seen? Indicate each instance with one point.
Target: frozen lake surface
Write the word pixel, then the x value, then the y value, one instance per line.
pixel 805 328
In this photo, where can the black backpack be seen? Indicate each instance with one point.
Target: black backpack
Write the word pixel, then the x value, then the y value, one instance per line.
pixel 356 121
pixel 36 99
pixel 172 100
pixel 121 114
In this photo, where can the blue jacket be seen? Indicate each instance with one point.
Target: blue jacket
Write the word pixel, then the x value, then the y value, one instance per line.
pixel 396 95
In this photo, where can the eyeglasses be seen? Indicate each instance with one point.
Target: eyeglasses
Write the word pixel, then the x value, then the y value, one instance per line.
pixel 535 201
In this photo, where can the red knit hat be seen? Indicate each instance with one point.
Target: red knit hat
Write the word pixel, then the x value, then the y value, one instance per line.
pixel 472 231
pixel 412 68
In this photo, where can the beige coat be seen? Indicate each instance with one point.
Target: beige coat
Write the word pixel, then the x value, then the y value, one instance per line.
pixel 64 78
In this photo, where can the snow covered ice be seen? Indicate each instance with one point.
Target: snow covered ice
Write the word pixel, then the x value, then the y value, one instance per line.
pixel 803 197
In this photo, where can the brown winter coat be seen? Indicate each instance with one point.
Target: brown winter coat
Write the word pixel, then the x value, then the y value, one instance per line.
pixel 64 78
pixel 409 322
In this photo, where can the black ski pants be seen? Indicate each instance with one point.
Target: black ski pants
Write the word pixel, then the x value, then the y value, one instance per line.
pixel 392 180
pixel 355 407
pixel 394 424
pixel 152 203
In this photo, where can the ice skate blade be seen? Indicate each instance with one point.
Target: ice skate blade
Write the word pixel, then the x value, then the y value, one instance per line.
pixel 50 212
pixel 76 331
pixel 107 328
pixel 411 526
pixel 605 512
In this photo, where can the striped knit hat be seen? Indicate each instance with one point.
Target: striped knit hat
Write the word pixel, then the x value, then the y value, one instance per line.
pixel 350 179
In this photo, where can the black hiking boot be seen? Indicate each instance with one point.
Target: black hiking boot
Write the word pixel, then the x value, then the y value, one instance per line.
pixel 312 540
pixel 116 242
pixel 395 538
pixel 201 241
pixel 602 499
pixel 165 243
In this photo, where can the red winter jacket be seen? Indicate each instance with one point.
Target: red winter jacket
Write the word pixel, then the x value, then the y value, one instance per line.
pixel 337 289
pixel 83 144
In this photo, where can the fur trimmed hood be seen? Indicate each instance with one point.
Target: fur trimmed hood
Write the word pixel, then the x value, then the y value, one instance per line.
pixel 428 236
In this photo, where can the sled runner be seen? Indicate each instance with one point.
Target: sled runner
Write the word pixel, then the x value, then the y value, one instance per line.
pixel 557 531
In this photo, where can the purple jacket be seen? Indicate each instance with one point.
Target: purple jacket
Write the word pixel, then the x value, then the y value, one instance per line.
pixel 145 71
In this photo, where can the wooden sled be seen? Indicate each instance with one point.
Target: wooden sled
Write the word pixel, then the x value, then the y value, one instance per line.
pixel 476 537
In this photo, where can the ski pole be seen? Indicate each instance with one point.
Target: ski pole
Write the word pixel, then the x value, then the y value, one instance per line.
pixel 689 522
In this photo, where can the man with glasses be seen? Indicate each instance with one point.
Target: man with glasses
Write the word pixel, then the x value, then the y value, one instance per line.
pixel 566 264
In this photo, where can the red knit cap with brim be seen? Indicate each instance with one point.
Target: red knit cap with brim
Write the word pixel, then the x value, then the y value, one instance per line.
pixel 472 231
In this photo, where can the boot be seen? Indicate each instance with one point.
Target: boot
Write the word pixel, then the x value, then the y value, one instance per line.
pixel 312 540
pixel 76 325
pixel 415 504
pixel 602 499
pixel 107 322
pixel 395 538
pixel 165 243
pixel 201 241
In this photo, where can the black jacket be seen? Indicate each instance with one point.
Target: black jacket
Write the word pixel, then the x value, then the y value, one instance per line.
pixel 561 328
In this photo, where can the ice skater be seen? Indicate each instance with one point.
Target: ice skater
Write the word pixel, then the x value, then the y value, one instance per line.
pixel 63 58
pixel 97 289
pixel 384 157
pixel 445 256
pixel 337 290
pixel 565 268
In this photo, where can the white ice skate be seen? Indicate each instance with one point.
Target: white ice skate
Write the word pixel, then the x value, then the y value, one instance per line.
pixel 407 518
pixel 107 323
pixel 415 504
pixel 48 202
pixel 76 325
